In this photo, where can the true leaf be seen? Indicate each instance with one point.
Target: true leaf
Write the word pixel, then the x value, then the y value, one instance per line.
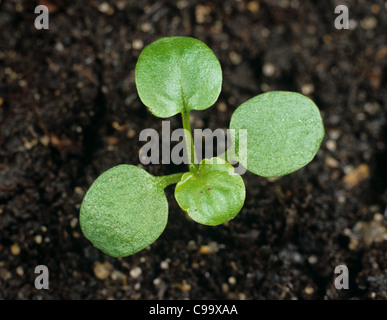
pixel 124 211
pixel 213 195
pixel 177 74
pixel 284 132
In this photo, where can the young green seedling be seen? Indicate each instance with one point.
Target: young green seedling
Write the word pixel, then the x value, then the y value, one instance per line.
pixel 126 210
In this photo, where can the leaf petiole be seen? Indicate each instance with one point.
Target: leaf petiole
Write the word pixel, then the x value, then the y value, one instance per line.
pixel 192 158
pixel 165 181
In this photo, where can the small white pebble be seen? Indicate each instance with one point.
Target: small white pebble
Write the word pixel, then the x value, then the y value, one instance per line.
pixel 20 271
pixel 309 290
pixel 38 239
pixel 74 222
pixel 378 217
pixel 268 69
pixel 369 23
pixel 232 280
pixel 331 145
pixel 137 44
pixel 135 272
pixel 102 270
pixel 235 58
pixel 312 259
pixel 104 7
pixel 307 89
pixel 164 265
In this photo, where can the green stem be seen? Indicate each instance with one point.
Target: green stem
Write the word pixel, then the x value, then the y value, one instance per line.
pixel 166 181
pixel 193 165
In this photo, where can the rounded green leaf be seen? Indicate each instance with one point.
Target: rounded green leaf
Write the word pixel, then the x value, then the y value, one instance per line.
pixel 124 211
pixel 284 132
pixel 213 195
pixel 177 74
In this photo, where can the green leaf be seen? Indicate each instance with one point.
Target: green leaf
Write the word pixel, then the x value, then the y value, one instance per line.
pixel 213 195
pixel 284 132
pixel 124 211
pixel 177 74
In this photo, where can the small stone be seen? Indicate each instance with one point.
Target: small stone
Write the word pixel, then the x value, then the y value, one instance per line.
pixel 331 162
pixel 378 217
pixel 102 270
pixel 112 140
pixel 357 175
pixel 331 145
pixel 30 144
pixel 235 58
pixel 307 89
pixel 104 7
pixel 334 134
pixel 117 275
pixel 232 281
pixel 253 6
pixel 268 69
pixel 352 23
pixel 74 222
pixel 205 250
pixel 146 27
pixel 369 23
pixel 20 271
pixel 212 247
pixel 309 290
pixel 373 107
pixel 184 286
pixel 164 265
pixel 242 296
pixel 137 44
pixel 79 191
pixel 222 107
pixel 182 4
pixel 131 133
pixel 312 259
pixel 202 13
pixel 116 126
pixel 38 239
pixel 369 232
pixel 45 140
pixel 15 249
pixel 135 272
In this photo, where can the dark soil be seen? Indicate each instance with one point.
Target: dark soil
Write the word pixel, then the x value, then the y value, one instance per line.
pixel 69 110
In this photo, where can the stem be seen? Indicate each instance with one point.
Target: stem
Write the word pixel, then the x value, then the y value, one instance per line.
pixel 193 165
pixel 166 181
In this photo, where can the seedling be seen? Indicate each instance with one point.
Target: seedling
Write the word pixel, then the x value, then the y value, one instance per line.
pixel 126 210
